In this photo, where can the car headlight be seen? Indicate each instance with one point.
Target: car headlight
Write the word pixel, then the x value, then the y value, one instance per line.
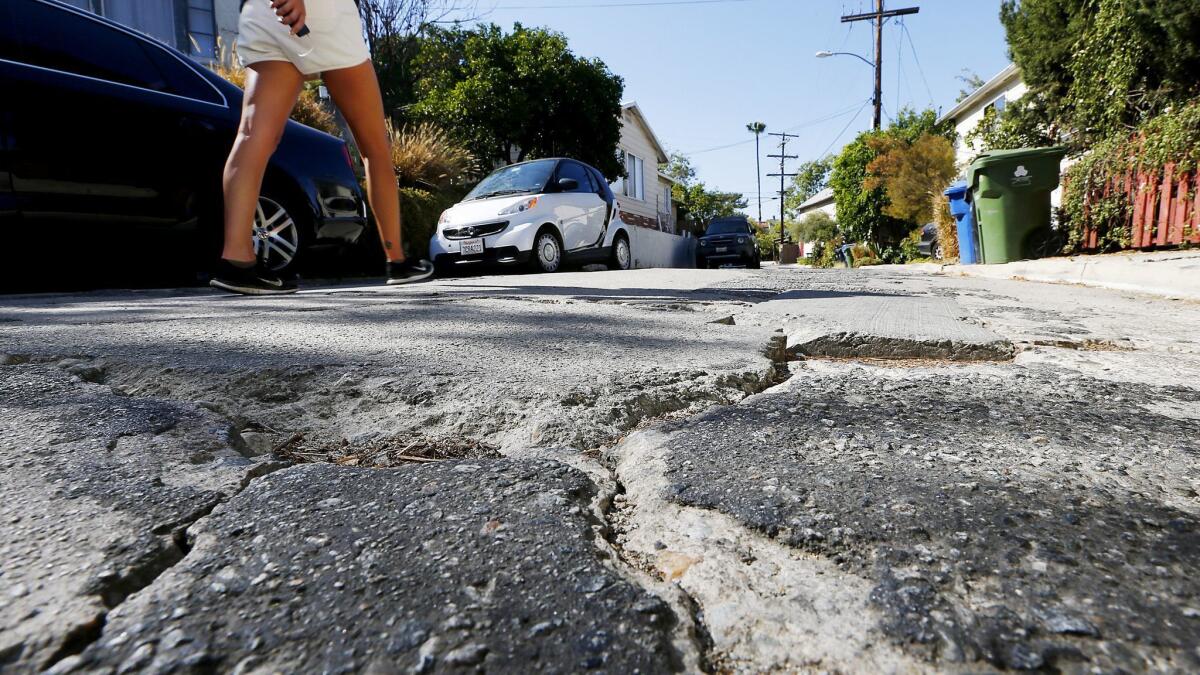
pixel 519 207
pixel 741 240
pixel 703 242
pixel 445 218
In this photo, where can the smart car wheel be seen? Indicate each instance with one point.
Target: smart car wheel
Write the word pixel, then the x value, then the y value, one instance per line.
pixel 937 251
pixel 276 235
pixel 622 255
pixel 547 252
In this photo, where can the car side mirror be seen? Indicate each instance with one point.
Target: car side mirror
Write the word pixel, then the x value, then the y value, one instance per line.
pixel 568 184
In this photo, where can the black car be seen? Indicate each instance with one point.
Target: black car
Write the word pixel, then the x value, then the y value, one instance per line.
pixel 728 240
pixel 111 152
pixel 929 245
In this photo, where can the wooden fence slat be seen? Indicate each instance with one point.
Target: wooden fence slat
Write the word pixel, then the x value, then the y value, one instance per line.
pixel 1146 202
pixel 1164 205
pixel 1128 187
pixel 1195 238
pixel 1135 239
pixel 1179 208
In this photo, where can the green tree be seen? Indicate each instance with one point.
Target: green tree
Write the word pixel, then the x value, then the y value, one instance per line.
pixel 971 83
pixel 1096 68
pixel 697 204
pixel 520 95
pixel 816 226
pixel 861 208
pixel 811 177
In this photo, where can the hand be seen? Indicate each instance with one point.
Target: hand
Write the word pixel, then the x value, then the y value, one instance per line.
pixel 291 13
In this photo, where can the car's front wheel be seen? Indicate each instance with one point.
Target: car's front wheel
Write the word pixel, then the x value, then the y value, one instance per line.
pixel 547 252
pixel 276 235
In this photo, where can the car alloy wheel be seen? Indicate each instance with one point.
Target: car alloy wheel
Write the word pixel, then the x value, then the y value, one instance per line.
pixel 937 252
pixel 548 252
pixel 276 235
pixel 623 255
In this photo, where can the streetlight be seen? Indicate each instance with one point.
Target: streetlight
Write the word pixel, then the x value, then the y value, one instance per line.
pixel 878 100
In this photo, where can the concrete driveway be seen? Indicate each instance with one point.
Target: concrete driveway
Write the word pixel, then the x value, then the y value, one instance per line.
pixel 644 471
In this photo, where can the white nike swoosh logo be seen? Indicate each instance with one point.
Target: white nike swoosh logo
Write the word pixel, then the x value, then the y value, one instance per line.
pixel 271 282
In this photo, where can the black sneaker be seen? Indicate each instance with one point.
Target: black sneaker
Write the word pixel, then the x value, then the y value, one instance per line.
pixel 408 271
pixel 249 280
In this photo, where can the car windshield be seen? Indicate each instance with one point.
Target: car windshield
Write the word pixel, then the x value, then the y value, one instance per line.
pixel 517 179
pixel 726 227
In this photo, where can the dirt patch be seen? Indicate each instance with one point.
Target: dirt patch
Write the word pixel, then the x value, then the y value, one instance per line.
pixel 384 452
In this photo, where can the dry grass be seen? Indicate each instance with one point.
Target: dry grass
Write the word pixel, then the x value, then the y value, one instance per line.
pixel 947 229
pixel 309 109
pixel 424 155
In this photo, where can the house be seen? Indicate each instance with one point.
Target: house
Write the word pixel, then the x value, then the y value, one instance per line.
pixel 644 194
pixel 995 94
pixel 191 26
pixel 822 201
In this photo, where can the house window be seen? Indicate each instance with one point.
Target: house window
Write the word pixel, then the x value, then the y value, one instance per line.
pixel 201 29
pixel 187 25
pixel 635 182
pixel 155 18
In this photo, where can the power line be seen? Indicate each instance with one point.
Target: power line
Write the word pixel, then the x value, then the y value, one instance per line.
pixel 801 125
pixel 920 70
pixel 838 137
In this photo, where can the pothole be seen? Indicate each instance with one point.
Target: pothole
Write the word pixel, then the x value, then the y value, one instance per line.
pixel 397 450
pixel 859 345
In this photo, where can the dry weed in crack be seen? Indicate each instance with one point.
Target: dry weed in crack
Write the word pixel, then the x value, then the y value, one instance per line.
pixel 385 452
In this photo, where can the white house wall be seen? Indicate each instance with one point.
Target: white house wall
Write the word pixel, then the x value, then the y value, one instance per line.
pixel 635 140
pixel 965 123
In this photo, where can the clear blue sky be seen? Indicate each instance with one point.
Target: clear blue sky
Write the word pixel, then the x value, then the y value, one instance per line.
pixel 702 71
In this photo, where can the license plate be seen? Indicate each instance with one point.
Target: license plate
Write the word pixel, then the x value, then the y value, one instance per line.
pixel 472 247
pixel 722 249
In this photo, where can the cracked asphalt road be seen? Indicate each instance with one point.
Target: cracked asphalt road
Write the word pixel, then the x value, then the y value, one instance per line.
pixel 959 475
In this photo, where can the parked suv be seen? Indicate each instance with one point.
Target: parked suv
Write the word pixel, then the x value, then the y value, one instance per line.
pixel 111 151
pixel 543 213
pixel 728 240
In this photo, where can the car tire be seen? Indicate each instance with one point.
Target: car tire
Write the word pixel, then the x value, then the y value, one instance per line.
pixel 547 253
pixel 622 255
pixel 755 263
pixel 936 251
pixel 279 233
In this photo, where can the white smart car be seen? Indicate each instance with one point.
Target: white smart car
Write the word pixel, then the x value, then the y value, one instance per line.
pixel 544 213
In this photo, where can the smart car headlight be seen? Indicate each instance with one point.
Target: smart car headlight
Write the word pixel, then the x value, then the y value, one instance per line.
pixel 519 207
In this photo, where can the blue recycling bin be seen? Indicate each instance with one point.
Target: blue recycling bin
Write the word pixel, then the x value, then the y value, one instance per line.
pixel 959 195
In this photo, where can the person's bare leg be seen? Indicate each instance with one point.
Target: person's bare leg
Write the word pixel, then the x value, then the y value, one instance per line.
pixel 355 91
pixel 272 88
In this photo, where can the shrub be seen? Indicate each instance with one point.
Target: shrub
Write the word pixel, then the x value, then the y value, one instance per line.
pixel 947 227
pixel 425 156
pixel 1170 138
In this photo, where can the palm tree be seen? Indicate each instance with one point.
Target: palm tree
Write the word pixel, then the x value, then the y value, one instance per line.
pixel 757 128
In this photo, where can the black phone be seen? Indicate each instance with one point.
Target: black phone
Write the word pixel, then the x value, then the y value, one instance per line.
pixel 303 31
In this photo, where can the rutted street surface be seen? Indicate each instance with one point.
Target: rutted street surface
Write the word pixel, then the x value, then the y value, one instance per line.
pixel 652 471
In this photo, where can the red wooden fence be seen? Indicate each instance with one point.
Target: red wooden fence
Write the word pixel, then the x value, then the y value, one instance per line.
pixel 1164 208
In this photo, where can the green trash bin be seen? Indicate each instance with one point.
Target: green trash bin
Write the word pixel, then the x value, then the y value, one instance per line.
pixel 1011 190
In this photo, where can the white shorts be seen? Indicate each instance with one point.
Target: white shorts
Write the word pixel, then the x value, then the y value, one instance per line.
pixel 335 41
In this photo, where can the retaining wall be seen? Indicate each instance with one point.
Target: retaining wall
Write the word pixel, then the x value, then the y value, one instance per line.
pixel 652 248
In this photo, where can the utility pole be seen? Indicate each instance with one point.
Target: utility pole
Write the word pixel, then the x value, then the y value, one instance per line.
pixel 783 157
pixel 757 128
pixel 877 17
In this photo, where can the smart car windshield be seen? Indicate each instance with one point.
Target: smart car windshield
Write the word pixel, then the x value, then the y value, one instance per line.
pixel 526 178
pixel 726 227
